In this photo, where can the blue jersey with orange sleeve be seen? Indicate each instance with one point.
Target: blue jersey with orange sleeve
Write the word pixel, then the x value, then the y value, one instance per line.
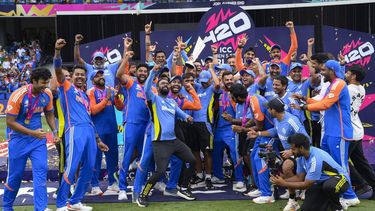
pixel 137 111
pixel 19 105
pixel 260 112
pixel 206 96
pixel 75 105
pixel 102 110
pixel 336 104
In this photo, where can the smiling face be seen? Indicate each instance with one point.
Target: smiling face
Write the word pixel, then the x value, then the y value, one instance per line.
pixel 79 77
pixel 141 74
pixel 326 73
pixel 274 70
pixel 160 58
pixel 275 53
pixel 163 87
pixel 228 81
pixel 40 85
pixel 99 80
pixel 99 62
pixel 176 86
pixel 247 79
pixel 296 74
pixel 278 88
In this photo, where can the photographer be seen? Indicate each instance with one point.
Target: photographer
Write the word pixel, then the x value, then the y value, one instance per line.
pixel 317 172
pixel 285 124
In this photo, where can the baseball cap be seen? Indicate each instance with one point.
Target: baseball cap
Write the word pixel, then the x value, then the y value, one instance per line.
pixel 163 70
pixel 93 74
pixel 275 62
pixel 248 71
pixel 204 76
pixel 189 64
pixel 295 65
pixel 99 54
pixel 275 46
pixel 275 103
pixel 223 67
pixel 335 66
pixel 176 77
pixel 207 58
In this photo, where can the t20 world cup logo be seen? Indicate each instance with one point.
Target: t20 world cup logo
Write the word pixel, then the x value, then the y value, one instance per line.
pixel 222 26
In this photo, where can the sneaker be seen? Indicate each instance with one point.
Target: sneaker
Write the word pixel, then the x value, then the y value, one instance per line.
pixel 362 189
pixel 135 196
pixel 285 195
pixel 96 191
pixel 62 209
pixel 255 193
pixel 197 180
pixel 54 196
pixel 114 187
pixel 216 180
pixel 349 202
pixel 160 186
pixel 122 195
pixel 142 201
pixel 186 194
pixel 209 184
pixel 292 205
pixel 264 200
pixel 239 186
pixel 301 194
pixel 249 188
pixel 170 192
pixel 343 204
pixel 47 209
pixel 79 206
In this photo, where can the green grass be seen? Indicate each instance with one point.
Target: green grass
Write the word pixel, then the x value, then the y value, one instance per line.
pixel 204 205
pixel 3 127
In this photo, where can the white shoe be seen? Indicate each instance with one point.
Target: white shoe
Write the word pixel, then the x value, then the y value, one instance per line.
pixel 114 187
pixel 47 209
pixel 292 205
pixel 264 200
pixel 96 191
pixel 160 186
pixel 79 206
pixel 54 196
pixel 302 194
pixel 72 188
pixel 285 195
pixel 62 209
pixel 346 203
pixel 254 193
pixel 216 180
pixel 239 186
pixel 122 195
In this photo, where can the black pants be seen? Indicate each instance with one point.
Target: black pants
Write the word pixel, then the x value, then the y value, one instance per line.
pixel 163 150
pixel 314 129
pixel 326 195
pixel 361 172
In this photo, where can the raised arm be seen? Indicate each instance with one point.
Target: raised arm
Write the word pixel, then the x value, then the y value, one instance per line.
pixel 192 105
pixel 148 40
pixel 240 45
pixel 294 43
pixel 60 43
pixel 77 54
pixel 148 83
pixel 123 70
pixel 310 44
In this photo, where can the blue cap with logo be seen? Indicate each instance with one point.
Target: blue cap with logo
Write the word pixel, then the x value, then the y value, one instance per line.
pixel 93 74
pixel 99 54
pixel 204 76
pixel 248 71
pixel 223 67
pixel 336 67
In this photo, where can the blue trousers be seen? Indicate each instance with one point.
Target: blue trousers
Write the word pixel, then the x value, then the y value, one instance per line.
pixel 19 150
pixel 133 139
pixel 338 148
pixel 80 147
pixel 260 169
pixel 222 139
pixel 111 158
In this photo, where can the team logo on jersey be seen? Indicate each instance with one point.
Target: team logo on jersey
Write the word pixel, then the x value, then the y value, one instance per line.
pixel 331 95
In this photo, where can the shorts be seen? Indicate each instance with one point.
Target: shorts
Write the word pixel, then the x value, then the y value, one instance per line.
pixel 202 138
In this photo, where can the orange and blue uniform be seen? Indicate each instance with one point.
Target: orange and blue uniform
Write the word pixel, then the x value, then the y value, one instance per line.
pixel 22 146
pixel 338 129
pixel 80 144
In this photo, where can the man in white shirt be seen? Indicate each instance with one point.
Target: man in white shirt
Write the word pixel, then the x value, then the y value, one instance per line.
pixel 360 172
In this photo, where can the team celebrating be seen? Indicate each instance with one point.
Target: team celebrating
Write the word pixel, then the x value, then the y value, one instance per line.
pixel 192 117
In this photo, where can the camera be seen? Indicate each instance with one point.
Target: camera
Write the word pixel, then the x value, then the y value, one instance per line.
pixel 271 157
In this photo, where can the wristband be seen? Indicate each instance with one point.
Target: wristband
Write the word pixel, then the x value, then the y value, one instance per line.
pixel 259 133
pixel 55 131
pixel 57 62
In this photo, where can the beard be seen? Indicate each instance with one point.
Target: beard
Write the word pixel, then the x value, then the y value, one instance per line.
pixel 164 91
pixel 141 79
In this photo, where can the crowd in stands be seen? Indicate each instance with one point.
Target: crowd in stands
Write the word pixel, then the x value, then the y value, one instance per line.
pixel 16 62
